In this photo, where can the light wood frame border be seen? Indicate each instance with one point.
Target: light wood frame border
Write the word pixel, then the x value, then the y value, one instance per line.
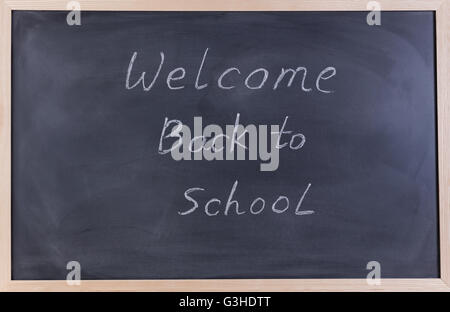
pixel 441 8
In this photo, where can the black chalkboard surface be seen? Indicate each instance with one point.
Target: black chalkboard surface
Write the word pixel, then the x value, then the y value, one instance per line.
pixel 336 166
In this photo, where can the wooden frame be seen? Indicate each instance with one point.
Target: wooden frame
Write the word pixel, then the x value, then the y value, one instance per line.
pixel 442 10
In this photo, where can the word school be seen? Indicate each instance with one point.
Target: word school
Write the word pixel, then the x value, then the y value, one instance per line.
pixel 280 205
pixel 209 142
pixel 254 80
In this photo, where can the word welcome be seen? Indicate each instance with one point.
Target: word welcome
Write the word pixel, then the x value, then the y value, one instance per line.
pixel 208 143
pixel 254 80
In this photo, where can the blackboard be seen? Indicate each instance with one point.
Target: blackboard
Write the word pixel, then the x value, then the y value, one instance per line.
pixel 92 180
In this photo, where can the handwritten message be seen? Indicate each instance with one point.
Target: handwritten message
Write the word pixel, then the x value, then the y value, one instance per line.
pixel 234 141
